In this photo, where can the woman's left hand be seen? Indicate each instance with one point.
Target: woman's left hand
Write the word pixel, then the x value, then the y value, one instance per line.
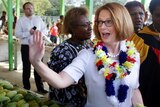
pixel 36 47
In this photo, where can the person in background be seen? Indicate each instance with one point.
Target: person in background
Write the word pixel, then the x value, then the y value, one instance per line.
pixel 3 18
pixel 77 24
pixel 60 24
pixel 53 33
pixel 25 28
pixel 138 14
pixel 5 30
pixel 110 68
pixel 15 19
pixel 147 41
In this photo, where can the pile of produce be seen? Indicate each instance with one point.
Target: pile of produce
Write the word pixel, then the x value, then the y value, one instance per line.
pixel 13 96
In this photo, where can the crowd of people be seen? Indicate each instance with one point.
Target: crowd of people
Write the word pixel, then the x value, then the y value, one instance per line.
pixel 4 22
pixel 109 80
pixel 120 67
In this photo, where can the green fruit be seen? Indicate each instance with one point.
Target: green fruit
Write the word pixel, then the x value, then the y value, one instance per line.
pixel 29 96
pixel 21 91
pixel 7 101
pixel 33 103
pixel 11 94
pixel 43 101
pixel 54 105
pixel 12 104
pixel 17 97
pixel 21 102
pixel 1 91
pixel 8 86
pixel 2 94
pixel 3 82
pixel 37 99
pixel 4 98
pixel 25 105
pixel 6 90
pixel 1 88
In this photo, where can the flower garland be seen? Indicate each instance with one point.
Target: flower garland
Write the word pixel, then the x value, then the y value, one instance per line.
pixel 112 70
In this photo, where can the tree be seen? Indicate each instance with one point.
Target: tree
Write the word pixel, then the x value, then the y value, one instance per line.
pixel 40 6
pixel 54 10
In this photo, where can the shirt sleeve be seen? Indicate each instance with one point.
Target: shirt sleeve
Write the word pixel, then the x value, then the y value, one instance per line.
pixel 61 56
pixel 19 32
pixel 78 66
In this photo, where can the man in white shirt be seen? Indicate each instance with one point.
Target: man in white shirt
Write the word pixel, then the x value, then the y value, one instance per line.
pixel 25 28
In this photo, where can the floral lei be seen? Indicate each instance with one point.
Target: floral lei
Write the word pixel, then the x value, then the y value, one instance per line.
pixel 112 70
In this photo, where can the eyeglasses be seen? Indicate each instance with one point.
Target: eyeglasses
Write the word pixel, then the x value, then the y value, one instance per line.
pixel 108 23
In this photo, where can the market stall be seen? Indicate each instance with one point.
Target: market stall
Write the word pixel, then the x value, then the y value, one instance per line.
pixel 13 96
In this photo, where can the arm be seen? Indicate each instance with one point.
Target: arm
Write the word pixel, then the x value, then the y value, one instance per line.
pixel 37 49
pixel 137 100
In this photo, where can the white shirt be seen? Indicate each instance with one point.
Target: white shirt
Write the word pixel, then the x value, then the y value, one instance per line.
pixel 23 26
pixel 84 63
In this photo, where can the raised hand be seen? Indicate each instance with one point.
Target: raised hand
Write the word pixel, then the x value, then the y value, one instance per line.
pixel 36 47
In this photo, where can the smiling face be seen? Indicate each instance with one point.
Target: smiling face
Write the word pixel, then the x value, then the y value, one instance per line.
pixel 82 28
pixel 107 31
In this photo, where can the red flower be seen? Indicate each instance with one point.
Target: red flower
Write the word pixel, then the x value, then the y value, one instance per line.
pixel 99 43
pixel 99 63
pixel 113 64
pixel 129 59
pixel 109 76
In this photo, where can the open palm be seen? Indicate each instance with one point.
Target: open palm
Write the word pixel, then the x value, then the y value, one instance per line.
pixel 36 47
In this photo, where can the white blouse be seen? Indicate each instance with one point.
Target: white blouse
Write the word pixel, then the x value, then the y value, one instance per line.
pixel 95 82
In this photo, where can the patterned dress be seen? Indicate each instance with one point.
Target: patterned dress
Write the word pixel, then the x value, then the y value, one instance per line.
pixel 61 56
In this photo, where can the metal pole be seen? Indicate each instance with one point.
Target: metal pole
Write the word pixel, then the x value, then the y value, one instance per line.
pixel 62 7
pixel 10 33
pixel 15 42
pixel 89 4
pixel 18 8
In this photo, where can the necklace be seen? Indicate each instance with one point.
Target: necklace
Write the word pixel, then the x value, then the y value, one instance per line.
pixel 112 70
pixel 112 55
pixel 156 30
